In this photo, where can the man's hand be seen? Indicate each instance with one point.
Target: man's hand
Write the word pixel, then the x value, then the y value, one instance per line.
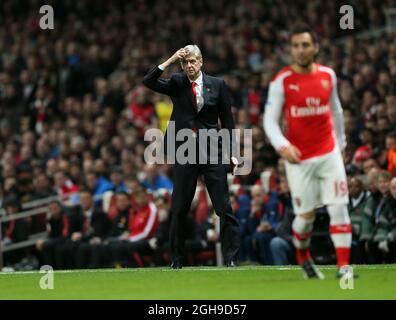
pixel 383 246
pixel 76 236
pixel 177 56
pixel 234 165
pixel 40 244
pixel 291 154
pixel 124 236
pixel 264 227
pixel 95 241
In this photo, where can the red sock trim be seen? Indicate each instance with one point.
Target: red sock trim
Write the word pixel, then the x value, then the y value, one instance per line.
pixel 302 237
pixel 340 228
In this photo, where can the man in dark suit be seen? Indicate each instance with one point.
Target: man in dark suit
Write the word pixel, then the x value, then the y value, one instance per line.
pixel 199 101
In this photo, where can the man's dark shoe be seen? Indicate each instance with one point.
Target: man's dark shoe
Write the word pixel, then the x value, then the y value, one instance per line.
pixel 176 265
pixel 231 264
pixel 311 271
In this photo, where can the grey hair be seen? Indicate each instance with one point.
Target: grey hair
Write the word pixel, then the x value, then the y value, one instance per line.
pixel 193 49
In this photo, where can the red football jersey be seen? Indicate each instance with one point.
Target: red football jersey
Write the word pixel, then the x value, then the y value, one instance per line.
pixel 306 102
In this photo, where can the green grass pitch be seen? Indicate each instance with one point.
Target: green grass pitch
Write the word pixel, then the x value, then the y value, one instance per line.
pixel 196 283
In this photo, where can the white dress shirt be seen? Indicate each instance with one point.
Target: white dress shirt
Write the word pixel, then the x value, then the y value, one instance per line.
pixel 199 90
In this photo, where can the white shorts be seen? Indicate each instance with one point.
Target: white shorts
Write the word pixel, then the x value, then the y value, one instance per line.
pixel 317 182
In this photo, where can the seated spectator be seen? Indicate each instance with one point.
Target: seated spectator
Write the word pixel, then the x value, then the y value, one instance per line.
pixel 374 208
pixel 142 225
pixel 43 188
pixel 14 231
pixel 264 218
pixel 96 227
pixel 369 164
pixel 281 246
pixel 361 155
pixel 119 232
pixel 116 179
pixel 87 225
pixel 98 185
pixel 391 155
pixel 66 189
pixel 154 180
pixel 385 233
pixel 357 201
pixel 57 233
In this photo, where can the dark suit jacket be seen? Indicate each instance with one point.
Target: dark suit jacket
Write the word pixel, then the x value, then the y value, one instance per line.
pixel 217 101
pixel 99 224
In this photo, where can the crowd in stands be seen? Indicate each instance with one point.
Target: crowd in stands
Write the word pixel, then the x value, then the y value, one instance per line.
pixel 73 113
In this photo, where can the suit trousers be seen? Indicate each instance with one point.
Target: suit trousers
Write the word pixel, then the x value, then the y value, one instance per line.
pixel 185 182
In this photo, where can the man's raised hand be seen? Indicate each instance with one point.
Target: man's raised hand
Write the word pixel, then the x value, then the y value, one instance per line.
pixel 177 56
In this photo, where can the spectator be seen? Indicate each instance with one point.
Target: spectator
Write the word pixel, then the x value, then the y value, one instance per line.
pixel 97 185
pixel 65 188
pixel 117 179
pixel 391 156
pixel 14 231
pixel 357 201
pixel 154 180
pixel 373 210
pixel 281 245
pixel 57 233
pixel 96 227
pixel 264 219
pixel 142 226
pixel 385 233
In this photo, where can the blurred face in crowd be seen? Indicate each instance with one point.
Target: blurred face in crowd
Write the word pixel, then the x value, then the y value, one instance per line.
pixel 75 171
pixel 122 201
pixel 86 200
pixel 355 187
pixel 283 184
pixel 151 172
pixel 257 193
pixel 100 167
pixel 141 198
pixel 132 185
pixel 303 49
pixel 42 182
pixel 11 209
pixel 55 209
pixel 383 184
pixel 393 188
pixel 91 180
pixel 391 143
pixel 372 179
pixel 369 164
pixel 191 65
pixel 116 178
pixel 391 113
pixel 60 179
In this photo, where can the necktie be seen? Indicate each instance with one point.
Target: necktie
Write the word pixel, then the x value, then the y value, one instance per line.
pixel 194 89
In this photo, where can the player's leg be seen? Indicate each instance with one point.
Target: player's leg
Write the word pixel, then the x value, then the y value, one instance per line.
pixel 334 193
pixel 304 188
pixel 302 231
